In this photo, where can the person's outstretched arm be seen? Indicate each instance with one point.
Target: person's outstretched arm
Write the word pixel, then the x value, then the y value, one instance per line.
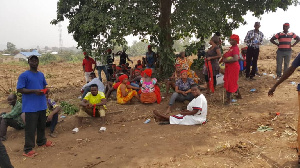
pixel 285 75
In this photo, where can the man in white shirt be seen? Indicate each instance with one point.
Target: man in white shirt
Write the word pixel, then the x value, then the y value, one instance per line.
pixel 86 88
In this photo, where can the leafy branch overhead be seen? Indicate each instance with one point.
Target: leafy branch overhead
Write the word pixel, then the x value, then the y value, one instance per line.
pixel 98 24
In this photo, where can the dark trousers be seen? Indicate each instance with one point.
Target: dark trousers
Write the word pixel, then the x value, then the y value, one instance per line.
pixel 85 91
pixel 4 123
pixel 52 124
pixel 252 56
pixel 102 68
pixel 4 158
pixel 35 122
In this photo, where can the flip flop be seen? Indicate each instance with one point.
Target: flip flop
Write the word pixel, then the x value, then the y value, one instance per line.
pixel 48 144
pixel 30 154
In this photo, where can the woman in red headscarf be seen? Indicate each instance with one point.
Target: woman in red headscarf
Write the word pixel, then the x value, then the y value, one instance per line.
pixel 185 65
pixel 148 87
pixel 124 91
pixel 232 68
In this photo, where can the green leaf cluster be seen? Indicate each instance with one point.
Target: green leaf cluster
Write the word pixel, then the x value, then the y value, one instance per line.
pixel 68 108
pixel 99 24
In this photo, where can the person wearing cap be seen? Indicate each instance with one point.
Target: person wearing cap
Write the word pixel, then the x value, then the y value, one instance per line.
pixel 125 92
pixel 232 68
pixel 87 65
pixel 253 39
pixel 32 85
pixel 150 58
pixel 284 50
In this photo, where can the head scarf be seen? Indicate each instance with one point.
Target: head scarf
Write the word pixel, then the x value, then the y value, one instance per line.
pixel 177 65
pixel 122 77
pixel 119 68
pixel 84 53
pixel 183 71
pixel 235 37
pixel 286 24
pixel 137 70
pixel 109 50
pixel 139 67
pixel 245 48
pixel 148 72
pixel 149 46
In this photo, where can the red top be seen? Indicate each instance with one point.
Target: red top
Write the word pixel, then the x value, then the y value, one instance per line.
pixel 87 63
pixel 232 70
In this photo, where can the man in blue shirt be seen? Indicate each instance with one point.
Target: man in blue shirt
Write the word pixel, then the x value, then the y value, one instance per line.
pixel 32 84
pixel 286 74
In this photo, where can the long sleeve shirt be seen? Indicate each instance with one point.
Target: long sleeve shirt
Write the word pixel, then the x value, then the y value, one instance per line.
pixel 257 39
pixel 15 113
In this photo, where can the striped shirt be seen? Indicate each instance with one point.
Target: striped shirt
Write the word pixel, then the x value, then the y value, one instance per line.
pixel 257 38
pixel 284 40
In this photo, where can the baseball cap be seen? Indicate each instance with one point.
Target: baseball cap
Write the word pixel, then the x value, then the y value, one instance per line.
pixel 31 56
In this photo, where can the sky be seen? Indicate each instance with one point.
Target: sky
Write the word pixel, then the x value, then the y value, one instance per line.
pixel 26 23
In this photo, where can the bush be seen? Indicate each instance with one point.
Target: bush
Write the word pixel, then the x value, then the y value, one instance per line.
pixel 47 58
pixel 68 108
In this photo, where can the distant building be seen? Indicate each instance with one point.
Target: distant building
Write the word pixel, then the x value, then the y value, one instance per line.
pixel 25 55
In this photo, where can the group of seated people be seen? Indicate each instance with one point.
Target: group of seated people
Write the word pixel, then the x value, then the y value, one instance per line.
pixel 137 84
pixel 140 85
pixel 16 119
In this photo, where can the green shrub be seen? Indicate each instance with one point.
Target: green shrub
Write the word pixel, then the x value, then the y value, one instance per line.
pixel 68 108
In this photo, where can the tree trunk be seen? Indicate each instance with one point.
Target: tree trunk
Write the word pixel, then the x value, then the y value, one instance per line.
pixel 166 55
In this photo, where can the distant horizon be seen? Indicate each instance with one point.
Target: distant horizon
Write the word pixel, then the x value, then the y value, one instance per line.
pixel 31 27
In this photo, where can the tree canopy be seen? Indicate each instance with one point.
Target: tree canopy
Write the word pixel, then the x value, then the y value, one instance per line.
pixel 104 23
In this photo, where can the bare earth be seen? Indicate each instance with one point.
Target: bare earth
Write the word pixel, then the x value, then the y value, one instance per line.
pixel 229 139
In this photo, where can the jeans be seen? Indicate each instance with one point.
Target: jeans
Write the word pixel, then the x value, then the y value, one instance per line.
pixel 35 122
pixel 180 97
pixel 52 124
pixel 4 158
pixel 251 59
pixel 282 55
pixel 4 123
pixel 135 85
pixel 104 69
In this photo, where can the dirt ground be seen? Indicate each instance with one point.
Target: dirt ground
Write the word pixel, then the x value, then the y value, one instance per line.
pixel 229 138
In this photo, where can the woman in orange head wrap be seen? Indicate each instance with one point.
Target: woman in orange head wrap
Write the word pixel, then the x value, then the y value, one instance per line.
pixel 185 64
pixel 149 88
pixel 232 68
pixel 124 91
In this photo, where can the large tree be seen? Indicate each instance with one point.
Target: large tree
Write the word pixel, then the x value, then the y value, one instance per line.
pixel 104 23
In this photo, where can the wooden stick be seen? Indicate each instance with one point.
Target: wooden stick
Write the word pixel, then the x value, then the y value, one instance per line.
pixel 298 130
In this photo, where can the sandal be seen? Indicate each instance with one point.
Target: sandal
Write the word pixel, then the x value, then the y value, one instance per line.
pixel 30 154
pixel 48 144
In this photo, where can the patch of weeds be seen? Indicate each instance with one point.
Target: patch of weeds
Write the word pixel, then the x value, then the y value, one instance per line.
pixel 68 108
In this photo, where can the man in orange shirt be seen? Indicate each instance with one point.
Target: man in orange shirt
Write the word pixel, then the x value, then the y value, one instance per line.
pixel 284 48
pixel 87 64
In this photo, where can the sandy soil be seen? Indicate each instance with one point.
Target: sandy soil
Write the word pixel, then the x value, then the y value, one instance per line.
pixel 229 139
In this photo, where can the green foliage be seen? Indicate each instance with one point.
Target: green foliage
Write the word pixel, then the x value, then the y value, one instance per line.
pixel 99 24
pixel 68 108
pixel 47 58
pixel 11 48
pixel 197 64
